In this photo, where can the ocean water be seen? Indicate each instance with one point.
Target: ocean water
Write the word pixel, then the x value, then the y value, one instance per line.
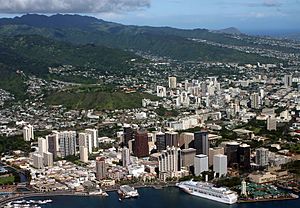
pixel 151 198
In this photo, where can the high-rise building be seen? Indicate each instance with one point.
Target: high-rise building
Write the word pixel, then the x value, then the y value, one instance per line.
pixel 169 162
pixel 141 147
pixel 172 139
pixel 48 159
pixel 125 157
pixel 85 140
pixel 186 140
pixel 38 161
pixel 160 141
pixel 128 135
pixel 214 151
pixel 244 156
pixel 220 164
pixel 67 143
pixel 262 157
pixel 43 146
pixel 188 156
pixel 200 164
pixel 94 135
pixel 84 155
pixel 28 133
pixel 271 123
pixel 201 143
pixel 53 144
pixel 172 82
pixel 161 91
pixel 101 169
pixel 231 150
pixel 254 100
pixel 287 80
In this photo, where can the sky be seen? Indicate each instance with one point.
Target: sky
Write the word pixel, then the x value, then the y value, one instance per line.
pixel 247 15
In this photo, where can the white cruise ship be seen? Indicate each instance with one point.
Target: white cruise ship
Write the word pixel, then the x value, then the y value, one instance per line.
pixel 209 191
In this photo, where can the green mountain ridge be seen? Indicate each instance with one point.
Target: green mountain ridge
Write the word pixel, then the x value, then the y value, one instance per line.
pixel 162 41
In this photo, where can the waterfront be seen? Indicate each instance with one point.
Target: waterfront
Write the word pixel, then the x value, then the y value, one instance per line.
pixel 149 198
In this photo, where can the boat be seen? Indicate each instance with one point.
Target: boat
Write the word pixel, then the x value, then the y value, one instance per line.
pixel 126 192
pixel 209 191
pixel 98 193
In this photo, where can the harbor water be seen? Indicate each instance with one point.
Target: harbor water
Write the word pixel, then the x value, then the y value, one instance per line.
pixel 153 198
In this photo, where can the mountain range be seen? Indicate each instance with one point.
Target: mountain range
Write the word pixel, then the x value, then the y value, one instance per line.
pixel 161 41
pixel 32 43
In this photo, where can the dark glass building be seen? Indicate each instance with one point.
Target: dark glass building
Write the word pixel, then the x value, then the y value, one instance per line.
pixel 141 147
pixel 201 143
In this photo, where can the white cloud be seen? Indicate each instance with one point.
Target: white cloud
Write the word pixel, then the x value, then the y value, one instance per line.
pixel 71 6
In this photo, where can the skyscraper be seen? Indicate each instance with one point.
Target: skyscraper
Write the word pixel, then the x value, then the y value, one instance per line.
pixel 94 136
pixel 172 139
pixel 201 142
pixel 186 140
pixel 38 161
pixel 53 144
pixel 213 152
pixel 200 164
pixel 220 164
pixel 141 147
pixel 43 146
pixel 125 157
pixel 244 156
pixel 169 162
pixel 128 135
pixel 67 143
pixel 101 169
pixel 271 123
pixel 287 80
pixel 254 100
pixel 188 156
pixel 160 141
pixel 231 150
pixel 172 82
pixel 85 140
pixel 161 91
pixel 84 156
pixel 28 134
pixel 262 157
pixel 48 159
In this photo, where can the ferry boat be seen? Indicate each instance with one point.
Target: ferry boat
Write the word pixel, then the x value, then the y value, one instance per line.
pixel 126 191
pixel 98 193
pixel 208 191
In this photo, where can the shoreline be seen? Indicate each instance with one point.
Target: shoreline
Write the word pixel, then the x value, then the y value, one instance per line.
pixel 81 194
pixel 266 200
pixel 45 194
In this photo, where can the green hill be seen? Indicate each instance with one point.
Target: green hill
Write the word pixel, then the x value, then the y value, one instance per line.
pixel 163 41
pixel 97 98
pixel 34 54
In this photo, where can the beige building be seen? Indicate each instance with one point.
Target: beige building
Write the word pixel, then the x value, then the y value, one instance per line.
pixel 262 177
pixel 187 156
pixel 185 139
pixel 213 152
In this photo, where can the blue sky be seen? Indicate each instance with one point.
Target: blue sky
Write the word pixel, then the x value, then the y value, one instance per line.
pixel 247 15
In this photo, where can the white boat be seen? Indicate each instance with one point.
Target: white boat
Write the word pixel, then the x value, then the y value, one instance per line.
pixel 126 191
pixel 209 191
pixel 98 193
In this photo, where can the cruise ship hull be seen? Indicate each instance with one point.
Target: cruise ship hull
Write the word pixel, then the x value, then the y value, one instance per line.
pixel 205 196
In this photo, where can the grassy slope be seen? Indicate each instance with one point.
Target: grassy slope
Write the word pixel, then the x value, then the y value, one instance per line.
pixel 99 99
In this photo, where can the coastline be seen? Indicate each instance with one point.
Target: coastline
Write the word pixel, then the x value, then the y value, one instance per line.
pixel 45 194
pixel 155 187
pixel 267 200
